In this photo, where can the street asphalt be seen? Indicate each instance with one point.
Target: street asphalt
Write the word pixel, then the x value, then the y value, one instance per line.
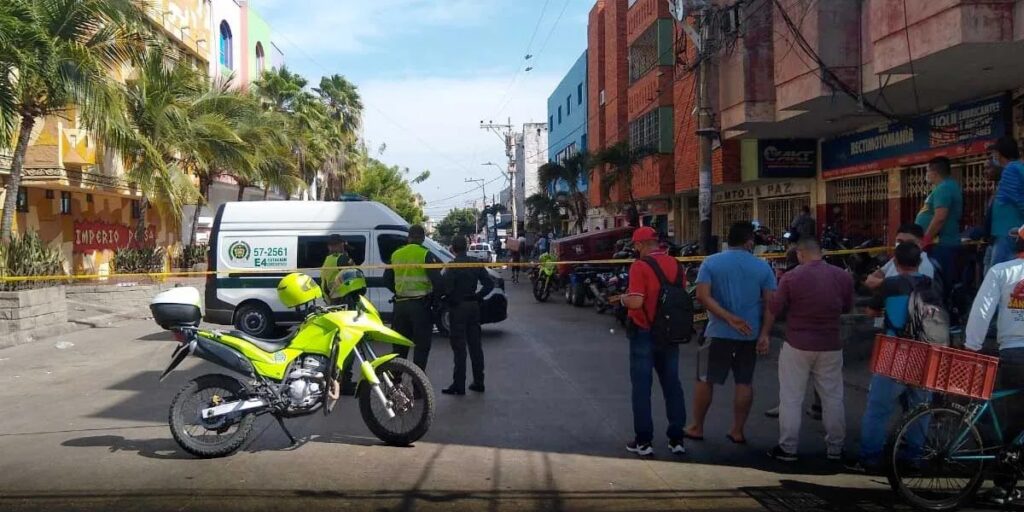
pixel 83 426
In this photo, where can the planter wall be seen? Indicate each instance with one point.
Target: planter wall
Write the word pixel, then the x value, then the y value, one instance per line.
pixel 30 314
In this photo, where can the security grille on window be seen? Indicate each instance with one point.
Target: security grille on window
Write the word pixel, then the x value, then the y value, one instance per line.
pixel 977 189
pixel 643 54
pixel 643 132
pixel 691 220
pixel 779 213
pixel 65 203
pixel 727 214
pixel 22 200
pixel 858 207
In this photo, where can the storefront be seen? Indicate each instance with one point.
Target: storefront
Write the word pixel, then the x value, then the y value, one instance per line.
pixel 875 179
pixel 773 203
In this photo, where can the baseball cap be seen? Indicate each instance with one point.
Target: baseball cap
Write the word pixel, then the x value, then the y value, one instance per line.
pixel 1006 146
pixel 645 234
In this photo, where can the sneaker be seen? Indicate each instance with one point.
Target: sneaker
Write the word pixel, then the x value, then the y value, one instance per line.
pixel 864 469
pixel 773 412
pixel 1001 496
pixel 676 446
pixel 642 449
pixel 477 387
pixel 778 453
pixel 836 457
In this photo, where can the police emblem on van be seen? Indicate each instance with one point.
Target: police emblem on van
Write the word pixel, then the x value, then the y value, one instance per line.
pixel 239 251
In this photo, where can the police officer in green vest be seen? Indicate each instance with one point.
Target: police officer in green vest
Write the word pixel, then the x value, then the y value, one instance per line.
pixel 414 288
pixel 331 283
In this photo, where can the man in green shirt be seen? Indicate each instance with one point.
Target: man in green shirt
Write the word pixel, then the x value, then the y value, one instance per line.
pixel 940 219
pixel 329 271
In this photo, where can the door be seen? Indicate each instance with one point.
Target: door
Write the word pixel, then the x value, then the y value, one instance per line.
pixel 386 245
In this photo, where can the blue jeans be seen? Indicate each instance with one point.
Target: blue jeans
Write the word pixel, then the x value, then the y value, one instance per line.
pixel 945 256
pixel 644 359
pixel 883 398
pixel 1004 249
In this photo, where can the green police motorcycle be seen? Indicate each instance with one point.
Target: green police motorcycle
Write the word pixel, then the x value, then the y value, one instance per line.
pixel 213 415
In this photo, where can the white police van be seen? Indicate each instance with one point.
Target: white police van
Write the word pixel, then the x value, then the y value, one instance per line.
pixel 275 237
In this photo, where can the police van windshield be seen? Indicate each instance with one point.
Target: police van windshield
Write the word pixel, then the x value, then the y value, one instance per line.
pixel 438 250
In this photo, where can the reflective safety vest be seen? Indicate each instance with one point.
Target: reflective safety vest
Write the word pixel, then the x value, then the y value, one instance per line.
pixel 411 282
pixel 328 274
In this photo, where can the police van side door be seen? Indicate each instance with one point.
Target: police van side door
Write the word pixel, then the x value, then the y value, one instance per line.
pixel 386 244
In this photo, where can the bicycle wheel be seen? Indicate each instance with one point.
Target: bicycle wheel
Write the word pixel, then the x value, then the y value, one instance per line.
pixel 923 455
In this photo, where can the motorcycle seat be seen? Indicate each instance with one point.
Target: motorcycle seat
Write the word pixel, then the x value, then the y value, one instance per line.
pixel 264 344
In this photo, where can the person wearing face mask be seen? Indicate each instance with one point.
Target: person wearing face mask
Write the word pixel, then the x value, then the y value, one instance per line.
pixel 907 233
pixel 1008 206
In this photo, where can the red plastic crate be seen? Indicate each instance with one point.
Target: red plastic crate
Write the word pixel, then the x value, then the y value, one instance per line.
pixel 942 369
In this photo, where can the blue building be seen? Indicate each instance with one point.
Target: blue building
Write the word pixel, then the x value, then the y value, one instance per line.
pixel 567 116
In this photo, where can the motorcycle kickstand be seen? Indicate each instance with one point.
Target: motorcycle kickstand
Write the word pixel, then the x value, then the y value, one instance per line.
pixel 280 421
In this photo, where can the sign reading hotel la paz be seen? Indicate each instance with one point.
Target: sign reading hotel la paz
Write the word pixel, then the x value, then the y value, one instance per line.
pixel 961 129
pixel 101 236
pixel 787 158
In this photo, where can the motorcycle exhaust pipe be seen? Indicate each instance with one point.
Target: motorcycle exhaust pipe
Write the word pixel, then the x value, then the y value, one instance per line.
pixel 233 407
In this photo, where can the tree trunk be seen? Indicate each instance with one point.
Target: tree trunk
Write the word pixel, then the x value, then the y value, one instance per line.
pixel 204 197
pixel 241 190
pixel 140 225
pixel 14 182
pixel 266 191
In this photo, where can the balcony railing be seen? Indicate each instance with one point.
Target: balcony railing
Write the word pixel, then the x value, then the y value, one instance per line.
pixel 77 177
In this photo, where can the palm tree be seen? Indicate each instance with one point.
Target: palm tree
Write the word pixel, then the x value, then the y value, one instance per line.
pixel 541 210
pixel 571 171
pixel 58 53
pixel 618 161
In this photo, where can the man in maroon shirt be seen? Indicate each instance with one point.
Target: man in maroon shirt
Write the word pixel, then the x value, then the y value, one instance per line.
pixel 645 356
pixel 814 295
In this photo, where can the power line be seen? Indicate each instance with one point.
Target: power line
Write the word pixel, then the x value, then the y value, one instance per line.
pixel 529 45
pixel 460 194
pixel 910 58
pixel 539 52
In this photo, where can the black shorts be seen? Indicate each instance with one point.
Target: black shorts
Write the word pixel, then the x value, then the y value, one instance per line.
pixel 717 356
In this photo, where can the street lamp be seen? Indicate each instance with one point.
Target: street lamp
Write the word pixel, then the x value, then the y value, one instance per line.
pixel 500 168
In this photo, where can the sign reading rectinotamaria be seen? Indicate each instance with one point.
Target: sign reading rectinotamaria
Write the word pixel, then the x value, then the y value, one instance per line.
pixel 787 158
pixel 101 236
pixel 961 129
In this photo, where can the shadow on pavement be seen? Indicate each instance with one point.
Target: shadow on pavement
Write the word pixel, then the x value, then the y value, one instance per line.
pixel 165 448
pixel 794 496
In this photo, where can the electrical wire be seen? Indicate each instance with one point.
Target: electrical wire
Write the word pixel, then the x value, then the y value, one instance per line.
pixel 529 46
pixel 910 58
pixel 537 56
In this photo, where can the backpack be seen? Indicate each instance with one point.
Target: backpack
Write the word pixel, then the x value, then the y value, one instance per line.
pixel 927 317
pixel 673 315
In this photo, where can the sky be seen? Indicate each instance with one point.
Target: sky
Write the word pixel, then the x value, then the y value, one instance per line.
pixel 429 71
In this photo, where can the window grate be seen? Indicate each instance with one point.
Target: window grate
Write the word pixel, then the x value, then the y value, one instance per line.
pixel 643 54
pixel 858 207
pixel 644 131
pixel 727 214
pixel 779 213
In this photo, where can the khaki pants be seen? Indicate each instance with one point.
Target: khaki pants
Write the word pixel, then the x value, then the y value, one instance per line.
pixel 826 370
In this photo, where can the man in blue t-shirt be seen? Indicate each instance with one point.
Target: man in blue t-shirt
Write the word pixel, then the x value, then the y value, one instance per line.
pixel 735 287
pixel 940 218
pixel 1008 204
pixel 884 393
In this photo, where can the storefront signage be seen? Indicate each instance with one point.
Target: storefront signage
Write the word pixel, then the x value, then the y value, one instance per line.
pixel 962 129
pixel 787 158
pixel 762 190
pixel 260 252
pixel 101 236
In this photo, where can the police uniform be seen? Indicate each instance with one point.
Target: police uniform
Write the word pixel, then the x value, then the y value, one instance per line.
pixel 464 301
pixel 413 288
pixel 329 272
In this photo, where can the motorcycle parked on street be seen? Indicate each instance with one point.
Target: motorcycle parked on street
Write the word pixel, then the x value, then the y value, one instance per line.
pixel 213 415
pixel 545 278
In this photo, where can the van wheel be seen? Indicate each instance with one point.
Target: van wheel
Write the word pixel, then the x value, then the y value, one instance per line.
pixel 255 319
pixel 444 323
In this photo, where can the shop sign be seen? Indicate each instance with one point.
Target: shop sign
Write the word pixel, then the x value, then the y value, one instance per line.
pixel 962 129
pixel 101 236
pixel 763 190
pixel 260 252
pixel 787 158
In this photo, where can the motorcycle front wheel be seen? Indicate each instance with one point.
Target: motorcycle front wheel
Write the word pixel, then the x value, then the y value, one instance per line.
pixel 542 289
pixel 209 438
pixel 411 397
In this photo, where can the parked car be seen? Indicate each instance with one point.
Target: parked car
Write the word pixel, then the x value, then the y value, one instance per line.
pixel 483 252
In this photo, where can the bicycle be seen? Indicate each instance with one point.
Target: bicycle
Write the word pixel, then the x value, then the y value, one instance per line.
pixel 937 457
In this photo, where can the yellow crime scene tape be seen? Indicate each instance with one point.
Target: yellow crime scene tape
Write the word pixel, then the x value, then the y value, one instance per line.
pixel 236 272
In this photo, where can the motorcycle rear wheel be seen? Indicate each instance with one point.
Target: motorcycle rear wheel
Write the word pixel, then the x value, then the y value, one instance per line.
pixel 412 396
pixel 193 433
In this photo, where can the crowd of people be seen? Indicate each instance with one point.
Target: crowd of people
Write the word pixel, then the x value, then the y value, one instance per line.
pixel 744 301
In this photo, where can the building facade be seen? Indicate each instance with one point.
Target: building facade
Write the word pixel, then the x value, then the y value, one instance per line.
pixel 567 122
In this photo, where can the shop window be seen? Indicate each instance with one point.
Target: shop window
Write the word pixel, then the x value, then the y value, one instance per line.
pixel 22 202
pixel 858 207
pixel 312 250
pixel 977 190
pixel 779 213
pixel 65 203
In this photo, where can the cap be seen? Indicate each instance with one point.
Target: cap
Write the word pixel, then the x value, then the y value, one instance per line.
pixel 645 234
pixel 335 239
pixel 1007 147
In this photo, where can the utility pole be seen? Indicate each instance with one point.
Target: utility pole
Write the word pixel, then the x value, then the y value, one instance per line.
pixel 483 204
pixel 703 41
pixel 505 133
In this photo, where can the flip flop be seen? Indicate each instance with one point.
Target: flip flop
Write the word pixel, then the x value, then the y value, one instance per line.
pixel 692 437
pixel 734 440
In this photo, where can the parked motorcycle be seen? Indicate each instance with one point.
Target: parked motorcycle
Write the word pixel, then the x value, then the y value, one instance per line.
pixel 213 415
pixel 545 278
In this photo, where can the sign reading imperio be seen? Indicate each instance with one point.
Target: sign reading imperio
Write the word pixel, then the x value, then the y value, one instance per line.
pixel 101 236
pixel 961 129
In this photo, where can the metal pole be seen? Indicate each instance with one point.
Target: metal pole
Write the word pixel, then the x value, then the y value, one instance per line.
pixel 481 215
pixel 504 131
pixel 705 131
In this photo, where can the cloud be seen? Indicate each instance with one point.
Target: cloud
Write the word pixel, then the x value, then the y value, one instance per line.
pixel 434 123
pixel 358 26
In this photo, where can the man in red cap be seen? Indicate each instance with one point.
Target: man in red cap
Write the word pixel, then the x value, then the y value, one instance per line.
pixel 645 356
